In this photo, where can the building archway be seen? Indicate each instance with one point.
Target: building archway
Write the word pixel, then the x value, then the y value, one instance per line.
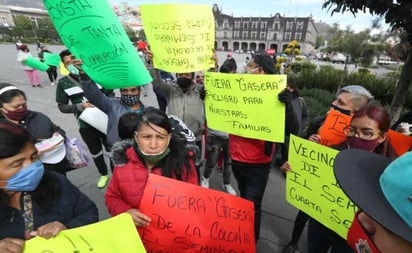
pixel 252 46
pixel 236 45
pixel 225 46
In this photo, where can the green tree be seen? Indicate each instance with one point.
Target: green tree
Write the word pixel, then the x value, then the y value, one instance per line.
pixel 23 22
pixel 397 15
pixel 320 41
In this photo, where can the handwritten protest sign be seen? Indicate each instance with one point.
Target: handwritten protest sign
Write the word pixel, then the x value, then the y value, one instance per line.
pixel 311 185
pixel 331 132
pixel 117 234
pixel 246 105
pixel 35 63
pixel 181 36
pixel 51 59
pixel 400 142
pixel 92 32
pixel 189 218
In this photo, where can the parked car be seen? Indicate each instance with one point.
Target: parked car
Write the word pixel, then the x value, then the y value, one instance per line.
pixel 338 58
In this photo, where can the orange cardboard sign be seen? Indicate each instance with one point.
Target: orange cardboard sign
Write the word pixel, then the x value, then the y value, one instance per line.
pixel 400 142
pixel 190 218
pixel 331 132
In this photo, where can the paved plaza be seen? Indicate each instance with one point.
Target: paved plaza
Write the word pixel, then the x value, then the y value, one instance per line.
pixel 277 217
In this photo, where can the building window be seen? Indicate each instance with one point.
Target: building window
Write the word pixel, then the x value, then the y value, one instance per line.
pixel 216 24
pixel 236 34
pixel 275 36
pixel 237 24
pixel 262 35
pixel 298 36
pixel 289 25
pixel 276 26
pixel 263 25
pixel 4 21
pixel 244 35
pixel 225 35
pixel 225 24
pixel 299 26
pixel 287 36
pixel 245 25
pixel 253 35
pixel 254 25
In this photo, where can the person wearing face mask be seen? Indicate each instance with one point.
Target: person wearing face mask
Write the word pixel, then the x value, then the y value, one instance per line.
pixel 382 191
pixel 13 108
pixel 34 201
pixel 114 107
pixel 70 98
pixel 367 131
pixel 348 99
pixel 155 150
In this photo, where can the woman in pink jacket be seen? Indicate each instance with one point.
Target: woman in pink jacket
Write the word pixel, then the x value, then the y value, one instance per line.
pixel 155 150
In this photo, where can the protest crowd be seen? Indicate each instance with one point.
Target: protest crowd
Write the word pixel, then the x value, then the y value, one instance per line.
pixel 201 124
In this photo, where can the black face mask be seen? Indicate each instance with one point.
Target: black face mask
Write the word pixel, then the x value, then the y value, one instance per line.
pixel 334 107
pixel 184 82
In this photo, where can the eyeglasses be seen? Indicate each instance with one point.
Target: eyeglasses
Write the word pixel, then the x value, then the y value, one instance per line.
pixel 134 90
pixel 199 77
pixel 365 134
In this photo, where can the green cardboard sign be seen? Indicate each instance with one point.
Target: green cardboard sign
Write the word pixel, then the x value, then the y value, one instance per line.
pixel 35 63
pixel 92 32
pixel 51 59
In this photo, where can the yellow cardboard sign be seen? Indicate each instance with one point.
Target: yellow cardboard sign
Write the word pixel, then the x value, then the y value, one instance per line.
pixel 181 36
pixel 246 105
pixel 311 185
pixel 117 234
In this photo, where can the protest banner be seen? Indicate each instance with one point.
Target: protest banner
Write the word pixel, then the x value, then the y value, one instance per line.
pixel 117 234
pixel 311 185
pixel 189 218
pixel 401 143
pixel 51 59
pixel 331 132
pixel 35 63
pixel 246 105
pixel 92 32
pixel 181 36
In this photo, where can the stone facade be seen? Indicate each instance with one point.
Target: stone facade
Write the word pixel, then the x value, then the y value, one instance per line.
pixel 242 34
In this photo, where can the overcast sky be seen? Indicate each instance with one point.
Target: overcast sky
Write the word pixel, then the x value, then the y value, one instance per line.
pixel 265 8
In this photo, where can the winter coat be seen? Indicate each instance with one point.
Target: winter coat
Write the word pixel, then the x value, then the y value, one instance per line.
pixel 70 207
pixel 126 187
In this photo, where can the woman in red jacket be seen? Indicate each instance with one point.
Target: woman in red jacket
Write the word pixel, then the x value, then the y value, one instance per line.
pixel 155 150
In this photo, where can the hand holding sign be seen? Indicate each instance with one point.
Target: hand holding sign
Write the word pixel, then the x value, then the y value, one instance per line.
pixel 92 32
pixel 188 217
pixel 97 237
pixel 182 38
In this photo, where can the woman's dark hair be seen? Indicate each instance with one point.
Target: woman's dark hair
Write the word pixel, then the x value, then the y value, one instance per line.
pixel 13 140
pixel 228 66
pixel 291 82
pixel 376 113
pixel 7 96
pixel 177 162
pixel 127 125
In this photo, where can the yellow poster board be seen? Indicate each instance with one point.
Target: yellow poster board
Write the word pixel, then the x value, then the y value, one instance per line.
pixel 246 105
pixel 311 185
pixel 117 234
pixel 181 36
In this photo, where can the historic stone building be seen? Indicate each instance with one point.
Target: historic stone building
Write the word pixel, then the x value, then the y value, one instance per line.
pixel 7 12
pixel 262 33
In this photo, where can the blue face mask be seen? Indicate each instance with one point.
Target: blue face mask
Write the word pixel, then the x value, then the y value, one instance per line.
pixel 72 69
pixel 27 179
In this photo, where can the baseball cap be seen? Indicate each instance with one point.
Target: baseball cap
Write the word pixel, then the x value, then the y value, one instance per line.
pixel 379 186
pixel 266 63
